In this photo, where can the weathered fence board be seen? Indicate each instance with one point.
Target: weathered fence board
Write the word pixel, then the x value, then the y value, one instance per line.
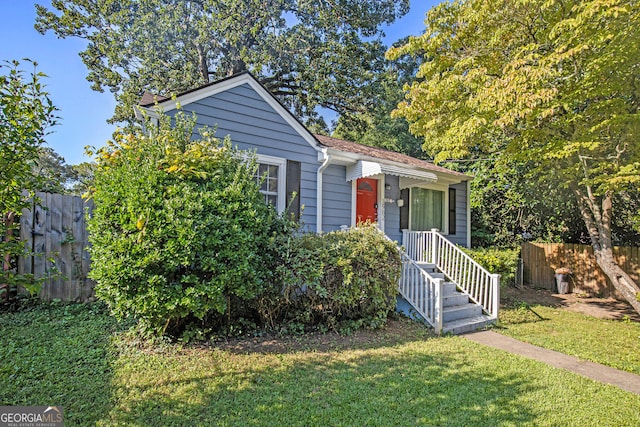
pixel 55 236
pixel 542 259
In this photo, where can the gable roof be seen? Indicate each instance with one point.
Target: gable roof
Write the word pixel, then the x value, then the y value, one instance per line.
pixel 382 154
pixel 155 103
pixel 218 86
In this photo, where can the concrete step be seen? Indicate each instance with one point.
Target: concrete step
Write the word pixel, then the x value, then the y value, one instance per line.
pixel 471 324
pixel 449 289
pixel 457 312
pixel 427 266
pixel 456 298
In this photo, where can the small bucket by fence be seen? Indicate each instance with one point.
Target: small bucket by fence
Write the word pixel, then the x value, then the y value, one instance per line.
pixel 542 259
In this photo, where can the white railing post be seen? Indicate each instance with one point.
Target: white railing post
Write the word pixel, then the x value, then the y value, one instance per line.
pixel 434 246
pixel 495 288
pixel 437 316
pixel 406 241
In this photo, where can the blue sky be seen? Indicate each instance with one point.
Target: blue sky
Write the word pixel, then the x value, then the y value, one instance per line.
pixel 83 111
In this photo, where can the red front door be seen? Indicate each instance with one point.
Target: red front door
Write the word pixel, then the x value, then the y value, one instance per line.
pixel 367 200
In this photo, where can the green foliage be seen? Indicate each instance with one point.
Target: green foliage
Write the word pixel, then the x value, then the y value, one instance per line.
pixel 339 280
pixel 182 240
pixel 26 112
pixel 548 85
pixel 506 209
pixel 375 126
pixel 497 261
pixel 179 228
pixel 550 82
pixel 556 87
pixel 54 175
pixel 309 54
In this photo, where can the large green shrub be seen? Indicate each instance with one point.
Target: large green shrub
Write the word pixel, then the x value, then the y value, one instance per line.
pixel 342 279
pixel 179 227
pixel 361 276
pixel 498 261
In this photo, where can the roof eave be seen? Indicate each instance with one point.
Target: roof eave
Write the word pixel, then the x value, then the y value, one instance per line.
pixel 346 157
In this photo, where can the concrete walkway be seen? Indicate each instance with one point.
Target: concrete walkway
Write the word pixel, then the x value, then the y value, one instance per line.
pixel 625 380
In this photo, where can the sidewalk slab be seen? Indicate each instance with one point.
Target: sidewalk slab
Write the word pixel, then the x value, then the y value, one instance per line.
pixel 625 380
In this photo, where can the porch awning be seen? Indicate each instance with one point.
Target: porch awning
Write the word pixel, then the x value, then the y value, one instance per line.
pixel 363 169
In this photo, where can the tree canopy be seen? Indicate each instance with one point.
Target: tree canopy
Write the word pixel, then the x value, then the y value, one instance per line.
pixel 553 85
pixel 52 173
pixel 309 54
pixel 375 127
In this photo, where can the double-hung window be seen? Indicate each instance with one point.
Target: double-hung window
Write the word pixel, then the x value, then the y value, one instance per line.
pixel 271 177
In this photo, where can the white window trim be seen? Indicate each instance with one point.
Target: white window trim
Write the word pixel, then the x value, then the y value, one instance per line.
pixel 282 177
pixel 445 205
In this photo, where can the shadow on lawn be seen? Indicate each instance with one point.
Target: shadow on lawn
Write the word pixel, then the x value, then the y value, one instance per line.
pixel 399 385
pixel 59 355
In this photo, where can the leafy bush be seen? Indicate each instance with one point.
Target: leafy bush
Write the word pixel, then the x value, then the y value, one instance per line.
pixel 26 113
pixel 182 240
pixel 343 279
pixel 179 228
pixel 498 261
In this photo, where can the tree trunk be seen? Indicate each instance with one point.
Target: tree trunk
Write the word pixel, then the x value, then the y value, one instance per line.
pixel 202 64
pixel 621 280
pixel 597 218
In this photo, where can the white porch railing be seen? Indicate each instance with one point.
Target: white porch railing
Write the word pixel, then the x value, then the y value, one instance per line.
pixel 422 291
pixel 482 287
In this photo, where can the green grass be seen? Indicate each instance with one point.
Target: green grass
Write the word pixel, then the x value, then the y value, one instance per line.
pixel 58 355
pixel 73 356
pixel 613 343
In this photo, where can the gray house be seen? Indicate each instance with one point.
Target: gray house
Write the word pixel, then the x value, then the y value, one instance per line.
pixel 331 184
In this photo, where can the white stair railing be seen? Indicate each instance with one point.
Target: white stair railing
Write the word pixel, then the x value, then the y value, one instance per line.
pixel 422 291
pixel 482 287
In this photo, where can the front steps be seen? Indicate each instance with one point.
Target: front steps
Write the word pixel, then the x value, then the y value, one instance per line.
pixel 459 314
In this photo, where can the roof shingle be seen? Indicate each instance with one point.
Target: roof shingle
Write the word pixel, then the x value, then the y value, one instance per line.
pixel 381 153
pixel 149 99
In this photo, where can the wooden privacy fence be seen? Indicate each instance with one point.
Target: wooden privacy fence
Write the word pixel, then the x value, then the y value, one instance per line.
pixel 542 259
pixel 55 234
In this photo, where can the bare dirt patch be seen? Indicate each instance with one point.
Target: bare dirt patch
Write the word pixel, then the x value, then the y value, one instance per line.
pixel 401 330
pixel 602 308
pixel 395 332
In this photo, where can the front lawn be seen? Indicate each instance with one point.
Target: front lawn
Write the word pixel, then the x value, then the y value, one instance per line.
pixel 615 343
pixel 74 356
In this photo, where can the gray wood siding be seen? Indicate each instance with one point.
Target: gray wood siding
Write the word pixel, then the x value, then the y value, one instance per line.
pixel 391 210
pixel 252 124
pixel 336 205
pixel 460 238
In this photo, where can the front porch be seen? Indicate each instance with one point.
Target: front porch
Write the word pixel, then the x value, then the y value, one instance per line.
pixel 443 286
